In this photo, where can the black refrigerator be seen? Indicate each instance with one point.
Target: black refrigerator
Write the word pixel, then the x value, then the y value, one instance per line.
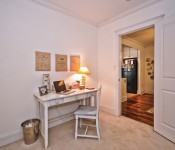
pixel 130 73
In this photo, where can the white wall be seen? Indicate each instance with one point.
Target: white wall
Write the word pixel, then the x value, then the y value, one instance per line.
pixel 26 27
pixel 169 7
pixel 108 59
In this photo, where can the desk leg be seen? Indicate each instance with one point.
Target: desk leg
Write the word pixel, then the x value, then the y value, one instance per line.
pixel 46 126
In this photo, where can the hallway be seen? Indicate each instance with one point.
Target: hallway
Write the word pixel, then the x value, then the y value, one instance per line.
pixel 140 108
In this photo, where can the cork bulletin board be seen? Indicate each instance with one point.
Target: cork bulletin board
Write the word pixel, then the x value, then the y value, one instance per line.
pixel 60 62
pixel 74 63
pixel 42 61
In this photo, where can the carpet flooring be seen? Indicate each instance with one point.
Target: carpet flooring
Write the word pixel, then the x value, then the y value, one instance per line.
pixel 117 133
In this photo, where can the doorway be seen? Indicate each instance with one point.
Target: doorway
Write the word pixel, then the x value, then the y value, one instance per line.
pixel 137 72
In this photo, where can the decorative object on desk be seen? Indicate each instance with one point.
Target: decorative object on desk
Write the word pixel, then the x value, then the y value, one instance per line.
pixel 53 88
pixel 60 62
pixel 43 90
pixel 84 71
pixel 81 87
pixel 75 85
pixel 42 61
pixel 46 81
pixel 74 63
pixel 90 88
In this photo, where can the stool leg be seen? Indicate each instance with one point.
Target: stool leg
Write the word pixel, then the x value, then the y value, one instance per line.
pixel 97 128
pixel 76 126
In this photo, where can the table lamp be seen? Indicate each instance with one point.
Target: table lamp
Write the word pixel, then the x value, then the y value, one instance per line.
pixel 83 71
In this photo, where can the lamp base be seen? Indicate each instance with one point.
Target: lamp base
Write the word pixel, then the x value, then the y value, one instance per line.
pixel 83 80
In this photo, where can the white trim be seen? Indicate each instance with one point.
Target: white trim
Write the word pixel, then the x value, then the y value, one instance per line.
pixel 119 33
pixel 130 11
pixel 54 7
pixel 127 38
pixel 149 91
pixel 11 138
pixel 108 110
pixel 60 9
pixel 124 98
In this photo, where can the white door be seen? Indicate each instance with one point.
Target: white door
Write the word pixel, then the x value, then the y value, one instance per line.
pixel 164 100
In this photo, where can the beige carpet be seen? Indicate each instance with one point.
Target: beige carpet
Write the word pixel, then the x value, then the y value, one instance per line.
pixel 117 133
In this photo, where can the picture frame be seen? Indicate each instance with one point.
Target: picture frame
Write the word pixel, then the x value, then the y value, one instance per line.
pixel 74 62
pixel 46 81
pixel 60 62
pixel 42 61
pixel 43 90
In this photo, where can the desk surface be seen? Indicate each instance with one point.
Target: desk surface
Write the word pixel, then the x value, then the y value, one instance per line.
pixel 54 95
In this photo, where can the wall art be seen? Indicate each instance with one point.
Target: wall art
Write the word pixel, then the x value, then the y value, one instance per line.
pixel 74 63
pixel 150 68
pixel 60 62
pixel 42 61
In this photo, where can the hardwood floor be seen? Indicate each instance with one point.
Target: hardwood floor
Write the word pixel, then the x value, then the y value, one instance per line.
pixel 137 108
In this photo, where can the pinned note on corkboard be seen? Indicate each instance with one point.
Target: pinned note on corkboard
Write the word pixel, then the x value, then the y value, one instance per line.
pixel 74 63
pixel 42 61
pixel 60 62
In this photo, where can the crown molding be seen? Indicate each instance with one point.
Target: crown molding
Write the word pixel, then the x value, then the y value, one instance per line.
pixel 59 9
pixel 134 41
pixel 130 11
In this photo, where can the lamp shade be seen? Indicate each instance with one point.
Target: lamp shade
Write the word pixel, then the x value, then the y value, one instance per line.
pixel 84 70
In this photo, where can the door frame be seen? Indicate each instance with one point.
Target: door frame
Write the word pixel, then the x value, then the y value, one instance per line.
pixel 118 46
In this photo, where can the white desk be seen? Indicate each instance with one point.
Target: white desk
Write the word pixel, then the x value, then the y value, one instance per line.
pixel 52 99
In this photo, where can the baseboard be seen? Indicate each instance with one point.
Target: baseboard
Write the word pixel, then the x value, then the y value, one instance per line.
pixel 124 98
pixel 60 120
pixel 108 110
pixel 19 135
pixel 149 91
pixel 11 138
pixel 142 92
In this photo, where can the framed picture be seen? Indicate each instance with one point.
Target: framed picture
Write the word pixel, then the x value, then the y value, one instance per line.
pixel 43 90
pixel 74 63
pixel 42 61
pixel 61 62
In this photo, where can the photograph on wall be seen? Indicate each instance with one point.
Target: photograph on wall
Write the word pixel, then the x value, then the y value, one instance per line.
pixel 60 62
pixel 74 63
pixel 43 90
pixel 42 61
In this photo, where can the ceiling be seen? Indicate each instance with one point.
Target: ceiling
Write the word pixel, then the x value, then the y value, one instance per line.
pixel 145 36
pixel 96 12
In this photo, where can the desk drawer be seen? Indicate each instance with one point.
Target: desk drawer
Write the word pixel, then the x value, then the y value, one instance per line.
pixel 91 94
pixel 75 98
pixel 56 102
